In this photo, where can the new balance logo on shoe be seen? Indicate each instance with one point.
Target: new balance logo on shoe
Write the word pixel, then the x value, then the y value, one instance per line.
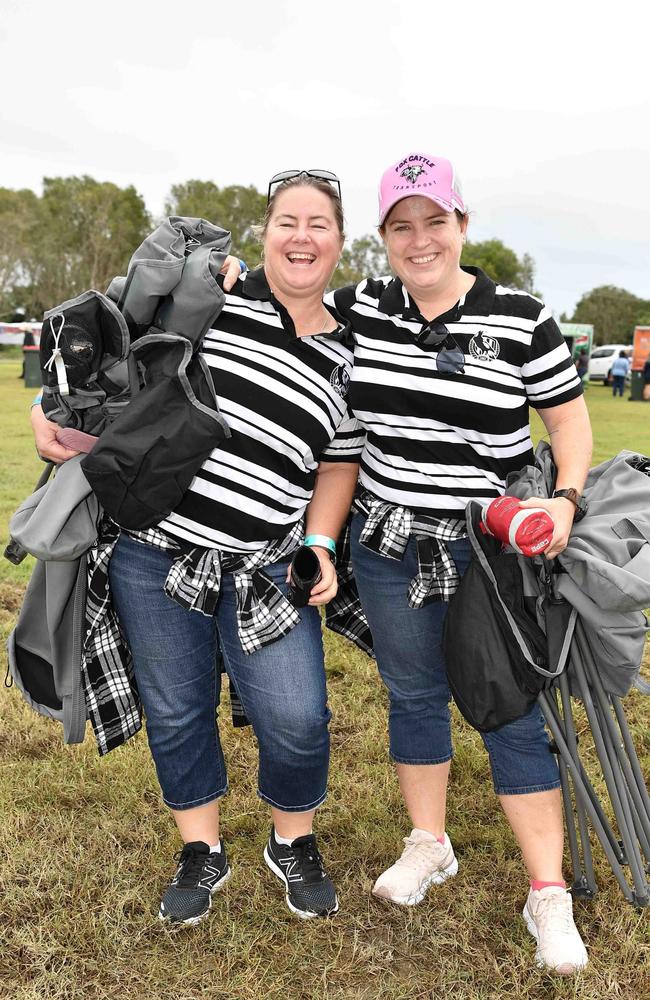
pixel 212 874
pixel 291 870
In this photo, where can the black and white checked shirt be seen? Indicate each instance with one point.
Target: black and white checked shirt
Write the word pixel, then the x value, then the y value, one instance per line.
pixel 264 615
pixel 387 531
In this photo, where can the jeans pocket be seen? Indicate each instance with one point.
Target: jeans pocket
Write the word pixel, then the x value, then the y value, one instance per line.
pixel 277 572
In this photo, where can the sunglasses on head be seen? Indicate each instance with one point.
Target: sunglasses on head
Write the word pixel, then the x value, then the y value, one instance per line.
pixel 288 175
pixel 450 360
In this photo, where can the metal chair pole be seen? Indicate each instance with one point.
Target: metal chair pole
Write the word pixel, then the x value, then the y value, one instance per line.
pixel 628 784
pixel 640 802
pixel 641 822
pixel 572 742
pixel 631 752
pixel 579 878
pixel 590 887
pixel 613 780
pixel 578 784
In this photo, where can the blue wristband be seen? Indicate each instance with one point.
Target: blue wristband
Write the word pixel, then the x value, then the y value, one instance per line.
pixel 243 266
pixel 38 398
pixel 322 541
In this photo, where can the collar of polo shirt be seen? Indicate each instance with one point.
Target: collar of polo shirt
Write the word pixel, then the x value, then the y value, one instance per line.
pixel 395 300
pixel 255 286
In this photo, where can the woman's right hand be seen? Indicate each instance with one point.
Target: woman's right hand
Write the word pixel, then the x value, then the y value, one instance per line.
pixel 45 437
pixel 231 270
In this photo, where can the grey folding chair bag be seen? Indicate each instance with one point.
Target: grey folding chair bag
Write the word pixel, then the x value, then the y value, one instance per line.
pixel 605 577
pixel 606 564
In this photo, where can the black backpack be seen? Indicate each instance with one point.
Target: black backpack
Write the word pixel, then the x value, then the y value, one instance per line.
pixel 497 653
pixel 126 367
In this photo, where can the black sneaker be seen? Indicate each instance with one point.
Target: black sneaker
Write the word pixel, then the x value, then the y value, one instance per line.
pixel 199 874
pixel 310 893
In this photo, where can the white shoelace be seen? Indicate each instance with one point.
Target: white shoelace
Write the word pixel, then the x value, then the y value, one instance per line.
pixel 555 909
pixel 421 852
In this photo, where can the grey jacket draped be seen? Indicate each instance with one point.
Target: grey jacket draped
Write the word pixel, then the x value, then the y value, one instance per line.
pixel 606 564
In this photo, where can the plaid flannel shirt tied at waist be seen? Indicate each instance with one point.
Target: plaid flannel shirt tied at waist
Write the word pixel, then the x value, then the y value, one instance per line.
pixel 264 614
pixel 194 580
pixel 387 531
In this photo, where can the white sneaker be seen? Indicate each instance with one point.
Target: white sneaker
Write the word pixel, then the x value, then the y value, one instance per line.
pixel 424 862
pixel 549 917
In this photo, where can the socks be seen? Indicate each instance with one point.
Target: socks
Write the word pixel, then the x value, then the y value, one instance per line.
pixel 287 841
pixel 537 884
pixel 215 848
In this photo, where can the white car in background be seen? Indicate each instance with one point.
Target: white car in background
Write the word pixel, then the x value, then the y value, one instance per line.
pixel 601 361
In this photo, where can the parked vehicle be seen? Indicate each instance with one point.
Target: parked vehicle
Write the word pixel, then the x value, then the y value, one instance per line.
pixel 601 360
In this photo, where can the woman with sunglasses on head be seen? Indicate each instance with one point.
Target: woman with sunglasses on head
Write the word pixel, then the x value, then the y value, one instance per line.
pixel 446 366
pixel 209 583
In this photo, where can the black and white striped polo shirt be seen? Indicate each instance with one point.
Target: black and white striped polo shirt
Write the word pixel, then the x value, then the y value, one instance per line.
pixel 434 440
pixel 285 400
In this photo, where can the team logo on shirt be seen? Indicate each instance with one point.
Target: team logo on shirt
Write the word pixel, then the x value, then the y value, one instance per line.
pixel 340 380
pixel 412 173
pixel 484 348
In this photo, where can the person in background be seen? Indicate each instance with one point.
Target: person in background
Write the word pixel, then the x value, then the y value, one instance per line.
pixel 446 366
pixel 28 341
pixel 646 380
pixel 209 583
pixel 582 367
pixel 619 370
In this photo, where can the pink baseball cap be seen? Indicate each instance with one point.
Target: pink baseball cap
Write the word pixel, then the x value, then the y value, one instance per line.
pixel 418 173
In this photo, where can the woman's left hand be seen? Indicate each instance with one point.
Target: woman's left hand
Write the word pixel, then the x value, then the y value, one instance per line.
pixel 326 588
pixel 328 584
pixel 562 512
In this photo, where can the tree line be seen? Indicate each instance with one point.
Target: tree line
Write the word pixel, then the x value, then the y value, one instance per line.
pixel 79 233
pixel 614 313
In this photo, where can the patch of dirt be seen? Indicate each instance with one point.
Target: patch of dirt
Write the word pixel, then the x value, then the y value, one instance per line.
pixel 11 596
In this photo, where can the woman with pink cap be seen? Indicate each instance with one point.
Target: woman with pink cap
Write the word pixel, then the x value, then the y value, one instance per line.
pixel 447 364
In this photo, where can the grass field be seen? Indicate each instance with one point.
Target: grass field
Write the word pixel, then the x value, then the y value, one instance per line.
pixel 87 846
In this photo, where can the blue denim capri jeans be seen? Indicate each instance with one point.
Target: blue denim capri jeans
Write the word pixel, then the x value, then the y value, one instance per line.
pixel 177 656
pixel 408 646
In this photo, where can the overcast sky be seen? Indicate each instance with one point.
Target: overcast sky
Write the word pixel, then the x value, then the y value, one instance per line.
pixel 543 107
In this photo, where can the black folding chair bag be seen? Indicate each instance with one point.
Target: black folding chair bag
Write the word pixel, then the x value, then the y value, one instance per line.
pixel 495 651
pixel 88 375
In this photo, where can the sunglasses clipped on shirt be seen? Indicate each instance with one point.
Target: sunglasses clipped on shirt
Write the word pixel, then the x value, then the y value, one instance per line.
pixel 288 175
pixel 449 360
